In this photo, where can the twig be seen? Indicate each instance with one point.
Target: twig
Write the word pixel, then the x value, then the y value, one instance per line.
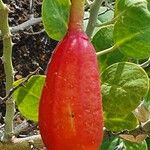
pixel 8 96
pixel 25 25
pixel 35 33
pixel 32 21
pixel 31 9
pixel 2 126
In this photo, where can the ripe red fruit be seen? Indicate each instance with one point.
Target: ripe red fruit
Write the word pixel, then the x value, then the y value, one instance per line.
pixel 70 116
pixel 70 112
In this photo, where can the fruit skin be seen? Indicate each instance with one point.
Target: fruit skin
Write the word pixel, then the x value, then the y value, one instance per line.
pixel 70 111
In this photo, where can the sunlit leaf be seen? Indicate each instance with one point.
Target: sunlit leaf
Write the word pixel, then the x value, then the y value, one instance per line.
pixel 135 146
pixel 27 97
pixel 55 17
pixel 132 30
pixel 121 123
pixel 123 87
pixel 109 143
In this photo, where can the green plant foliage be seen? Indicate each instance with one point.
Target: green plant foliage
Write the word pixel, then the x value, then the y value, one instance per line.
pixel 118 124
pixel 132 31
pixel 102 40
pixel 135 146
pixel 27 97
pixel 109 144
pixel 148 143
pixel 123 87
pixel 147 100
pixel 119 144
pixel 55 17
pixel 148 97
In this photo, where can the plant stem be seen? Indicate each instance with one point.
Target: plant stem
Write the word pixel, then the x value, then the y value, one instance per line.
pixel 93 17
pixel 76 15
pixel 145 64
pixel 107 50
pixel 7 60
pixel 106 24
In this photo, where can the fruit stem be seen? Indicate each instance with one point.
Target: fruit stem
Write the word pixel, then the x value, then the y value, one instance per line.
pixel 76 15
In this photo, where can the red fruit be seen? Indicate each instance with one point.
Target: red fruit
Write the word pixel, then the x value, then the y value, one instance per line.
pixel 70 112
pixel 70 116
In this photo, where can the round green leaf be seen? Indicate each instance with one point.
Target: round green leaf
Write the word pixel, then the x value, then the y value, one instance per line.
pixel 55 17
pixel 118 124
pixel 27 97
pixel 123 87
pixel 135 146
pixel 132 31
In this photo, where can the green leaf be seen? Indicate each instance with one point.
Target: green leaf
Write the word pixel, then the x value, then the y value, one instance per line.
pixel 132 30
pixel 102 40
pixel 109 144
pixel 148 97
pixel 27 97
pixel 135 146
pixel 123 87
pixel 105 15
pixel 147 100
pixel 55 17
pixel 148 70
pixel 118 124
pixel 148 142
pixel 119 144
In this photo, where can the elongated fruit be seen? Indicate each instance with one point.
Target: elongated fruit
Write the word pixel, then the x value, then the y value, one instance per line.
pixel 70 113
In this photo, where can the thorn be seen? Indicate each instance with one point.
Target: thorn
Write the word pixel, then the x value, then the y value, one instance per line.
pixel 13 44
pixel 40 69
pixel 1 100
pixel 2 59
pixel 23 84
